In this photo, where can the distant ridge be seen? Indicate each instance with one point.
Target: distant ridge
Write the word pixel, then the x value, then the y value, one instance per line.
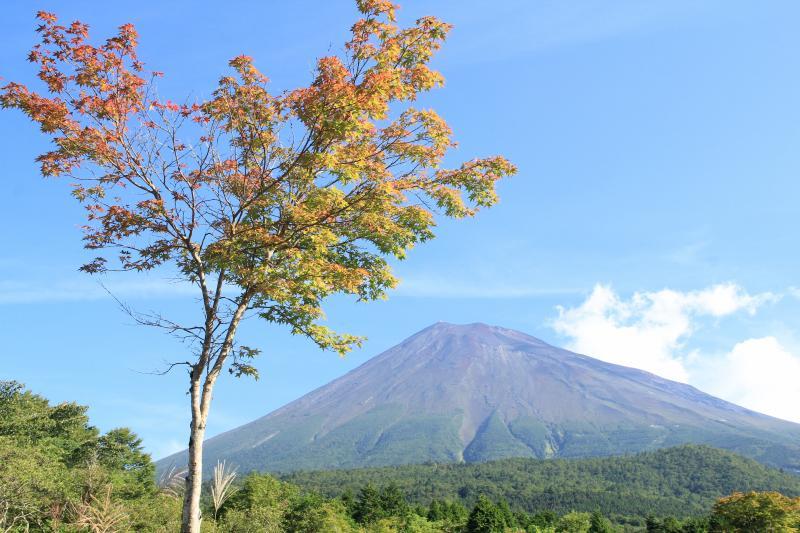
pixel 473 393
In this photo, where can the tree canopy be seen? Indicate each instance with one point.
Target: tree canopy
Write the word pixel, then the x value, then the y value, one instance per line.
pixel 52 461
pixel 266 202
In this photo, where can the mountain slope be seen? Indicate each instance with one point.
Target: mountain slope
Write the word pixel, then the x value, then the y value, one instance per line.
pixel 680 481
pixel 473 393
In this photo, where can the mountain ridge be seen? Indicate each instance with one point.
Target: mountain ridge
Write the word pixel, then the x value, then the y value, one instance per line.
pixel 476 392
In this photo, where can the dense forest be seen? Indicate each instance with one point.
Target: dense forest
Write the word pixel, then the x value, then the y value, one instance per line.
pixel 59 473
pixel 682 481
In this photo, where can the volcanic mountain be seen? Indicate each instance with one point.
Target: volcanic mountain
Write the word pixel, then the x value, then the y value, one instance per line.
pixel 474 393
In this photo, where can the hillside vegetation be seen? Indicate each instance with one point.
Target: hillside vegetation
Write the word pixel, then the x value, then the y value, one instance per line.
pixel 680 481
pixel 59 473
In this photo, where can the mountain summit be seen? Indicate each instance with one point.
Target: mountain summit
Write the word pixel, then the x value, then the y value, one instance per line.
pixel 476 392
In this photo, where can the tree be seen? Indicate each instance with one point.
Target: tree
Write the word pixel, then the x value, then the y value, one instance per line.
pixel 599 524
pixel 544 519
pixel 452 512
pixel 34 486
pixel 260 504
pixel 756 511
pixel 55 466
pixel 698 524
pixel 120 451
pixel 31 420
pixel 368 507
pixel 574 522
pixel 313 513
pixel 486 517
pixel 670 524
pixel 652 524
pixel 393 501
pixel 267 204
pixel 505 510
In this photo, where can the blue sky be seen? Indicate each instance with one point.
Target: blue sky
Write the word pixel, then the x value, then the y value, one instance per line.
pixel 653 221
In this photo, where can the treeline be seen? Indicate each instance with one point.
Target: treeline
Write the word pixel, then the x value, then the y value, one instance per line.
pixel 683 481
pixel 263 503
pixel 60 474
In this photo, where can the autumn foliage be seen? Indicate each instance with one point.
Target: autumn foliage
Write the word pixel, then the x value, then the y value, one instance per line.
pixel 290 197
pixel 267 202
pixel 757 511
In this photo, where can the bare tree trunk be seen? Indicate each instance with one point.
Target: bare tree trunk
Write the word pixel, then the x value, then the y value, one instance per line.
pixel 191 518
pixel 201 405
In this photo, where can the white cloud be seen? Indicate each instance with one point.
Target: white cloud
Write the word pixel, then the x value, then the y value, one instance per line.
pixel 650 331
pixel 760 374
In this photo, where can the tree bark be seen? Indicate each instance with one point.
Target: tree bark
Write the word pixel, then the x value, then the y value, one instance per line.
pixel 201 405
pixel 191 518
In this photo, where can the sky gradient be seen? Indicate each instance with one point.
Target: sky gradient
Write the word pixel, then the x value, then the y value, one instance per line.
pixel 653 221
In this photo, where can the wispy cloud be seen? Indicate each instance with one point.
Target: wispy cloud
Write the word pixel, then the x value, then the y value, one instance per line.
pixel 435 287
pixel 166 448
pixel 43 291
pixel 522 26
pixel 689 254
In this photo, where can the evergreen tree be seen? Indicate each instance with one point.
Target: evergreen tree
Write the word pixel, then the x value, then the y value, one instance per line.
pixel 348 499
pixel 393 501
pixel 451 513
pixel 544 519
pixel 368 507
pixel 696 525
pixel 652 524
pixel 508 516
pixel 436 511
pixel 670 524
pixel 486 517
pixel 599 524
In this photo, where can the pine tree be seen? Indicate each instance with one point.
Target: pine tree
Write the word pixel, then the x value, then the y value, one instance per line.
pixel 508 517
pixel 368 508
pixel 393 501
pixel 485 517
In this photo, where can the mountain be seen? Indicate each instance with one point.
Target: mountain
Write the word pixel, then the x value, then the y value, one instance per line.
pixel 680 481
pixel 473 393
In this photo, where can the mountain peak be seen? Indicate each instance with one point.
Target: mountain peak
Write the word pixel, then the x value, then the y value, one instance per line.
pixel 448 327
pixel 474 326
pixel 479 331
